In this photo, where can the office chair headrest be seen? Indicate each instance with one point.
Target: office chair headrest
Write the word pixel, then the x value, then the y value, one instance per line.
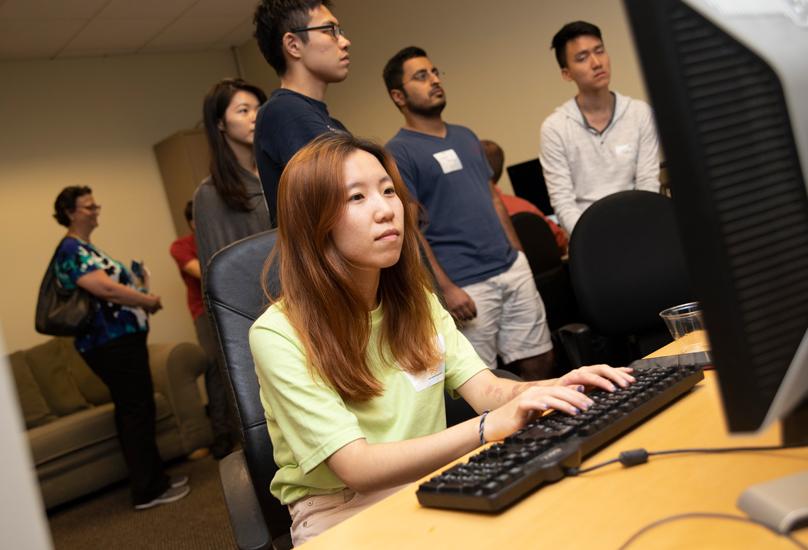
pixel 627 262
pixel 233 274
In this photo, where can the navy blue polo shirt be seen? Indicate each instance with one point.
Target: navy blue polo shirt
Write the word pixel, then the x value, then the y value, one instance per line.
pixel 286 123
pixel 450 178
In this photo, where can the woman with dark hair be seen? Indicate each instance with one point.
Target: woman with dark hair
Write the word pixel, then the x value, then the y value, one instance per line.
pixel 114 343
pixel 229 205
pixel 354 355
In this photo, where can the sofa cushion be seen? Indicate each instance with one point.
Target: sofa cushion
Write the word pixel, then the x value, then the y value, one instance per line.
pixel 49 365
pixel 35 410
pixel 80 431
pixel 90 385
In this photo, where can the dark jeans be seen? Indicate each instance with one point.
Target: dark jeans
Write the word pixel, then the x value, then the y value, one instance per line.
pixel 123 365
pixel 222 417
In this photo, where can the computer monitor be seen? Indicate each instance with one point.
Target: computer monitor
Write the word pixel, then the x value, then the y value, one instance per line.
pixel 728 81
pixel 527 180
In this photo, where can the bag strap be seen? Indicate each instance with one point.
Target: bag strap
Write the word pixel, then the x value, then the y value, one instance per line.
pixel 51 272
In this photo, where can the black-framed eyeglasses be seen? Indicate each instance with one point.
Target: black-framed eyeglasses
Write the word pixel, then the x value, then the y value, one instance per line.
pixel 423 75
pixel 332 28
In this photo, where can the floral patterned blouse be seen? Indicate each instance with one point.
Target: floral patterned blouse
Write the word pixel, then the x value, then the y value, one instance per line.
pixel 75 258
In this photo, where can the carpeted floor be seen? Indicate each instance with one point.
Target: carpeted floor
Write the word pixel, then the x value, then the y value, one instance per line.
pixel 107 520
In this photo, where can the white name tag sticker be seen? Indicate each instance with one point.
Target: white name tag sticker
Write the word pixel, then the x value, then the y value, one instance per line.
pixel 449 161
pixel 425 380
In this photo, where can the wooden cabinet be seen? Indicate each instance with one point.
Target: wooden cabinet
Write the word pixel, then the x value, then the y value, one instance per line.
pixel 184 161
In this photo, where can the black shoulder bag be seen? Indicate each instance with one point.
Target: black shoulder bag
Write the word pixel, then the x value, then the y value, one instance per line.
pixel 61 312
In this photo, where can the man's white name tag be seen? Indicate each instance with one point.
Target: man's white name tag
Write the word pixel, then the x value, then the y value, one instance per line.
pixel 624 149
pixel 425 380
pixel 449 161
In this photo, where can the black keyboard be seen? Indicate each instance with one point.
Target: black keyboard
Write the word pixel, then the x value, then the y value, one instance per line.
pixel 543 450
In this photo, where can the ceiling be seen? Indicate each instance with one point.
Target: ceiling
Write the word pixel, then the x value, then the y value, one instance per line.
pixel 53 29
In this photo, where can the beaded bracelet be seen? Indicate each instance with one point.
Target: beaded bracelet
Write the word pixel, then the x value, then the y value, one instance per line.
pixel 482 426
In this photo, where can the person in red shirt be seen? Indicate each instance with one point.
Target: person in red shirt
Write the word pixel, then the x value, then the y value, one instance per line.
pixel 183 250
pixel 513 204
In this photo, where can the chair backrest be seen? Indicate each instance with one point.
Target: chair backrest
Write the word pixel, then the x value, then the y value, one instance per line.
pixel 627 264
pixel 527 180
pixel 549 271
pixel 234 300
pixel 538 241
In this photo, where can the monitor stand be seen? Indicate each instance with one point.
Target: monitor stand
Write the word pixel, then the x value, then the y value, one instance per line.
pixel 782 504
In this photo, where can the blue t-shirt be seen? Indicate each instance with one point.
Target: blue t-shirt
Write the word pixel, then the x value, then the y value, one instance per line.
pixel 285 123
pixel 75 258
pixel 450 177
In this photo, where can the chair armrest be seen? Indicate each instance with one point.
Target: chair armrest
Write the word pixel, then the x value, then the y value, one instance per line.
pixel 577 341
pixel 246 518
pixel 175 369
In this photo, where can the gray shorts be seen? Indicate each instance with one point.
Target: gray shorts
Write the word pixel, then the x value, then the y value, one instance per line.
pixel 510 321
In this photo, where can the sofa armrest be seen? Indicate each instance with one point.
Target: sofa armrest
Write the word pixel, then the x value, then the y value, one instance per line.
pixel 175 369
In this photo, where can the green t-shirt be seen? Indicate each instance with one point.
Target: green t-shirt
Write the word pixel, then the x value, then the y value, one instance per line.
pixel 308 421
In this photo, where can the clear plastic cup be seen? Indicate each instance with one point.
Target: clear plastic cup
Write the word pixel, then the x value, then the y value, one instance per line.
pixel 683 319
pixel 686 326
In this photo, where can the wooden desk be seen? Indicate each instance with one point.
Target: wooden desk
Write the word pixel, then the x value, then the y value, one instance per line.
pixel 604 508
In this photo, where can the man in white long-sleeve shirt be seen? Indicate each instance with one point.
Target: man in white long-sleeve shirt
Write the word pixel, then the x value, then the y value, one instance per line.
pixel 599 142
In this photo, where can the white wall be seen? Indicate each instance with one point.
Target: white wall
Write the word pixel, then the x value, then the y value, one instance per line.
pixel 93 122
pixel 255 69
pixel 501 77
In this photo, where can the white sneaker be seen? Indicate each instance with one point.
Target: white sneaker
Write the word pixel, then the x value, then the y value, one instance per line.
pixel 178 481
pixel 172 494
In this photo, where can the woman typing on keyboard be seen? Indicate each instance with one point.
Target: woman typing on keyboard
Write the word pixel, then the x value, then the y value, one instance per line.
pixel 353 357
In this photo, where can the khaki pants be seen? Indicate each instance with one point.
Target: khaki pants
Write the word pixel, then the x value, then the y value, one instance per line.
pixel 316 513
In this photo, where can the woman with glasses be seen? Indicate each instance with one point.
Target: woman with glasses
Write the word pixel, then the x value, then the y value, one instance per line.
pixel 353 357
pixel 114 343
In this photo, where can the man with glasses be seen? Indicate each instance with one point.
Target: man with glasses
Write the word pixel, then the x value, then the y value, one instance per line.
pixel 471 245
pixel 303 42
pixel 599 142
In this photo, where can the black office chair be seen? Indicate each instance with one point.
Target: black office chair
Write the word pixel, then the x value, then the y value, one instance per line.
pixel 234 299
pixel 626 265
pixel 549 271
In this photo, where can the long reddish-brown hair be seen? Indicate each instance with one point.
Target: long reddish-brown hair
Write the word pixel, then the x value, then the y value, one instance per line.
pixel 319 296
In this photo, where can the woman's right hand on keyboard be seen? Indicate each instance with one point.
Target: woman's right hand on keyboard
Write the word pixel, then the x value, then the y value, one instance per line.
pixel 598 376
pixel 529 404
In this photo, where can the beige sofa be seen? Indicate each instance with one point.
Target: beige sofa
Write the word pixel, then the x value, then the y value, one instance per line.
pixel 69 416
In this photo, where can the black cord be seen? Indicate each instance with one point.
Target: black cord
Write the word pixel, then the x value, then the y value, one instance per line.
pixel 707 515
pixel 641 456
pixel 579 471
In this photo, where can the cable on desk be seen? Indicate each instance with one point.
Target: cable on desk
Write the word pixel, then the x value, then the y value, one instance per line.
pixel 641 456
pixel 707 515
